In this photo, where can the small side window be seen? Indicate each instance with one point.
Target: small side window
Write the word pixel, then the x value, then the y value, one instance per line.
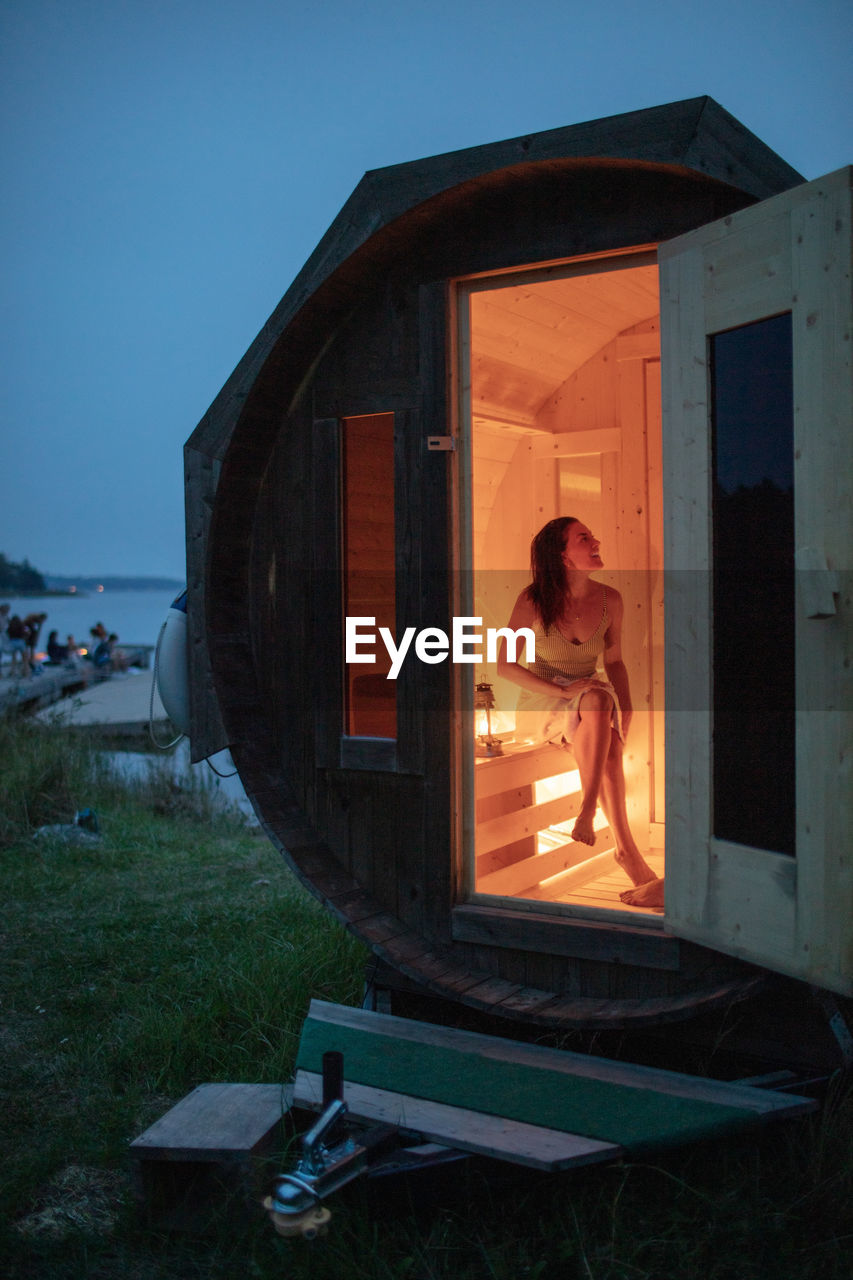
pixel 369 583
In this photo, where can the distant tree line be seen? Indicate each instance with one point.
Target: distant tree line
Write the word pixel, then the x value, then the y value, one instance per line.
pixel 19 579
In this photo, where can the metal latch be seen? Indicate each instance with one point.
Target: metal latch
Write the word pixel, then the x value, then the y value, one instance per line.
pixel 441 444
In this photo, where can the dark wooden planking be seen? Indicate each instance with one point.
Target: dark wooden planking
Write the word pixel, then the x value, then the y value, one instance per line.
pixel 553 934
pixel 372 365
pixel 324 639
pixel 208 732
pixel 284 662
pixel 384 814
pixel 433 685
pixel 695 134
pixel 409 540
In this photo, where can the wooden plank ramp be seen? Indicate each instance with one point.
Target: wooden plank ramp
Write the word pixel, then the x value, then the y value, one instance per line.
pixel 474 1131
pixel 545 1108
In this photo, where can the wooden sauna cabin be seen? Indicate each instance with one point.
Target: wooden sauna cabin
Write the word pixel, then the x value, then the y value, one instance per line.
pixel 643 321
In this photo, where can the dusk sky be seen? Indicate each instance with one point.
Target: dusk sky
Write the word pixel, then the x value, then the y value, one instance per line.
pixel 168 166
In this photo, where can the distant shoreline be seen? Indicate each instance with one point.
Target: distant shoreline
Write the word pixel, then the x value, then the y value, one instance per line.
pixel 62 587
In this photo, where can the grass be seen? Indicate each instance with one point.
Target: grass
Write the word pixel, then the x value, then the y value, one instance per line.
pixel 178 950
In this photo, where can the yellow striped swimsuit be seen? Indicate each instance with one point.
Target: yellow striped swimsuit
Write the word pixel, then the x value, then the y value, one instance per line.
pixel 557 656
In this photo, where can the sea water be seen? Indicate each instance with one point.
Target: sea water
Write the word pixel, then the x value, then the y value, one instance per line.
pixel 135 616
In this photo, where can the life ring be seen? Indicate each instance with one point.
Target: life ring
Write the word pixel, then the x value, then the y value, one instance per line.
pixel 170 665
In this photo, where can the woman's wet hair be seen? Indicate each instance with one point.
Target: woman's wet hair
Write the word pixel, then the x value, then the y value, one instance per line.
pixel 547 592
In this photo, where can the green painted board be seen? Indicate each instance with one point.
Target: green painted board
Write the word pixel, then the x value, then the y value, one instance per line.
pixel 633 1115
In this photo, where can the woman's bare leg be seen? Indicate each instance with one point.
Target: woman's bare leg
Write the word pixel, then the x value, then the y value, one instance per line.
pixel 614 805
pixel 590 745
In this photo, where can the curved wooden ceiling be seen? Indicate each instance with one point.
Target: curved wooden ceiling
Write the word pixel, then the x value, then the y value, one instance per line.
pixel 527 339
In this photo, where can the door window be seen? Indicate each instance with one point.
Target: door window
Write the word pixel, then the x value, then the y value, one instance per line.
pixel 754 732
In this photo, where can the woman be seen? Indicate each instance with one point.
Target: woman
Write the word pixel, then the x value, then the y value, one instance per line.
pixel 575 621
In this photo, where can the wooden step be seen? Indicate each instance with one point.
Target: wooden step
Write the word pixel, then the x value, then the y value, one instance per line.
pixel 214 1140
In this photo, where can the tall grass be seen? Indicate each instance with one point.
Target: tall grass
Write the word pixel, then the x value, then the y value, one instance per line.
pixel 180 950
pixel 42 777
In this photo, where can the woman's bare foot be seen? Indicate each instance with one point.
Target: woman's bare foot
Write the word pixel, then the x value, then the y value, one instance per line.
pixel 583 830
pixel 634 865
pixel 645 895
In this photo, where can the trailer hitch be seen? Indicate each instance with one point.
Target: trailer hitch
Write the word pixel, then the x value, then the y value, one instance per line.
pixel 295 1204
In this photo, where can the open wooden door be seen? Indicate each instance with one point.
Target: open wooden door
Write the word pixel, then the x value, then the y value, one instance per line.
pixel 756 326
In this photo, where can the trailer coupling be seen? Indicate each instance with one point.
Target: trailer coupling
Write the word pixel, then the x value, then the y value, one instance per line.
pixel 295 1204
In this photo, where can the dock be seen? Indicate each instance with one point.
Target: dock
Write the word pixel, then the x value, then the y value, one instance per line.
pixel 118 705
pixel 115 708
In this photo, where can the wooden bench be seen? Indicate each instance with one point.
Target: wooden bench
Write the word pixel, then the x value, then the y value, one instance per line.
pixel 510 824
pixel 545 1108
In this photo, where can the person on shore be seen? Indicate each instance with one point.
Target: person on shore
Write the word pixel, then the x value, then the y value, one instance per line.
pixel 57 653
pixel 33 623
pixel 97 636
pixel 102 657
pixel 17 638
pixel 564 699
pixel 117 656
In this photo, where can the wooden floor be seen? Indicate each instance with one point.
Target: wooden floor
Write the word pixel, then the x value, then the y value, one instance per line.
pixel 596 884
pixel 604 891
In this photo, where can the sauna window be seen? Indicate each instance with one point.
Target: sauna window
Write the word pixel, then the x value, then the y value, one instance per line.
pixel 753 585
pixel 369 585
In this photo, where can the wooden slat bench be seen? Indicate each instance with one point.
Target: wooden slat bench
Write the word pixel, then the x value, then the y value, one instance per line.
pixel 546 1108
pixel 509 821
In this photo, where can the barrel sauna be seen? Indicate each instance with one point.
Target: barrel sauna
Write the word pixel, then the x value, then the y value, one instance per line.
pixel 474 347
